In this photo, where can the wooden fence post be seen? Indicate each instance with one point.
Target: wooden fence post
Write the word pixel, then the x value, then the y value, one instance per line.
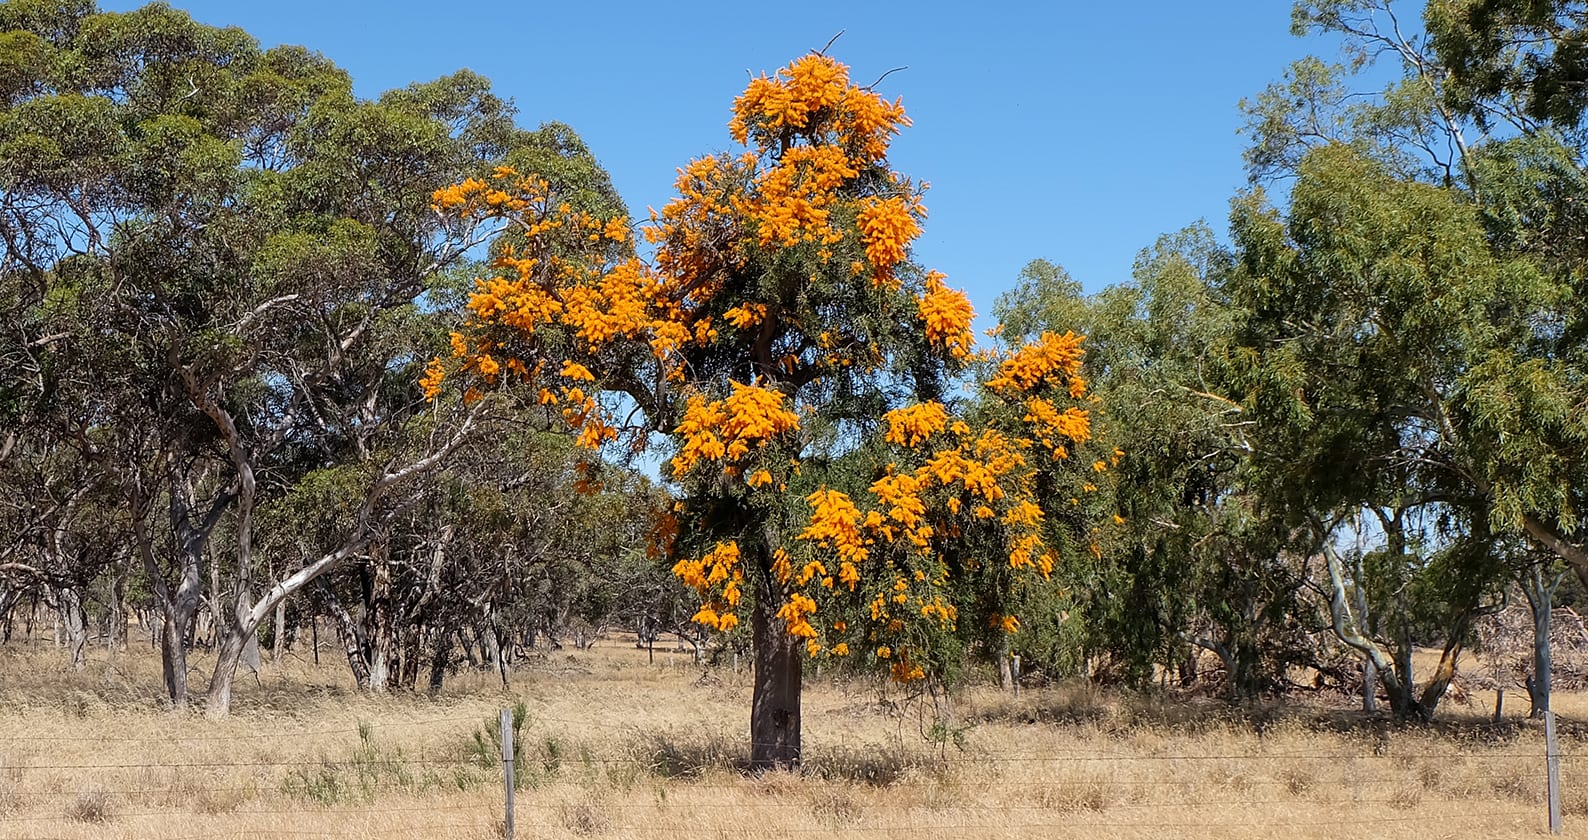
pixel 1017 675
pixel 507 770
pixel 1552 763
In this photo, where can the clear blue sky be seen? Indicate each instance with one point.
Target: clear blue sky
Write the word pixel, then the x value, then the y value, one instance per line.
pixel 1077 132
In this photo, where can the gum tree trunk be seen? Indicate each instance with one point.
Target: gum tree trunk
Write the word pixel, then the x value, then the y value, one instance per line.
pixel 69 603
pixel 1540 600
pixel 380 618
pixel 278 645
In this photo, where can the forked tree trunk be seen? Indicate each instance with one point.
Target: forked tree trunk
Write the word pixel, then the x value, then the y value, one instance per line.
pixel 1434 691
pixel 250 653
pixel 775 705
pixel 350 635
pixel 228 654
pixel 74 624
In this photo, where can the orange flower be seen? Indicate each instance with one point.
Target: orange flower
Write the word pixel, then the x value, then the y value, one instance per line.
pixel 913 424
pixel 435 372
pixel 887 228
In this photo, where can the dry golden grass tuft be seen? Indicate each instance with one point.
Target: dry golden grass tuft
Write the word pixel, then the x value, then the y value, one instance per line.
pixel 616 747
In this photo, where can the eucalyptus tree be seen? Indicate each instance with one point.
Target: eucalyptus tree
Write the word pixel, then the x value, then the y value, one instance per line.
pixel 254 244
pixel 1190 562
pixel 1413 336
pixel 1479 108
pixel 514 539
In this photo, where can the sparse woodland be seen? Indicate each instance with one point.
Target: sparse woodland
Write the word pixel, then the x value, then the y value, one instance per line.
pixel 293 380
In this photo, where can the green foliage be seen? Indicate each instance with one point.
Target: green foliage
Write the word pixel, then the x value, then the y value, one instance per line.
pixel 245 246
pixel 1409 342
pixel 1192 562
pixel 370 771
pixel 1513 59
pixel 486 750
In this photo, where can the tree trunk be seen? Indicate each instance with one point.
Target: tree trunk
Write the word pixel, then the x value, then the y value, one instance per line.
pixel 1541 601
pixel 441 658
pixel 1403 701
pixel 490 648
pixel 74 624
pixel 116 637
pixel 1186 669
pixel 381 638
pixel 491 645
pixel 250 652
pixel 1006 677
pixel 249 615
pixel 228 654
pixel 178 608
pixel 1348 628
pixel 9 598
pixel 1443 674
pixel 1369 687
pixel 775 704
pixel 173 656
pixel 278 644
pixel 463 634
pixel 352 638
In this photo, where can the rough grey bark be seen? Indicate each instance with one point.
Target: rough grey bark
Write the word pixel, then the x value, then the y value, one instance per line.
pixel 775 703
pixel 351 637
pixel 440 658
pixel 381 637
pixel 1369 687
pixel 73 623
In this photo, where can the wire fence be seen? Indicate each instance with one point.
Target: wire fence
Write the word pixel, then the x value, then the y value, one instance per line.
pixel 448 777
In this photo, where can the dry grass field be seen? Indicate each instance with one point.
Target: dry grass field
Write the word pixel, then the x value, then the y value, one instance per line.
pixel 617 747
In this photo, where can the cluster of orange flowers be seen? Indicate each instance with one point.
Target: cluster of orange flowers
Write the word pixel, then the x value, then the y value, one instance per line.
pixel 570 273
pixel 915 423
pixel 887 226
pixel 1052 359
pixel 947 315
pixel 717 577
pixel 728 430
pixel 962 476
pixel 813 95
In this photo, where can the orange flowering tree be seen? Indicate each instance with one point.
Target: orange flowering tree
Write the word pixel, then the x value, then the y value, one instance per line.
pixel 782 342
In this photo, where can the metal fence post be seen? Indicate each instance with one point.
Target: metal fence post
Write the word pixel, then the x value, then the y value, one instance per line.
pixel 507 770
pixel 1552 762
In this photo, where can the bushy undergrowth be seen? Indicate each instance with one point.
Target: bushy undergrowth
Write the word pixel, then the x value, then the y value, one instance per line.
pixel 374 769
